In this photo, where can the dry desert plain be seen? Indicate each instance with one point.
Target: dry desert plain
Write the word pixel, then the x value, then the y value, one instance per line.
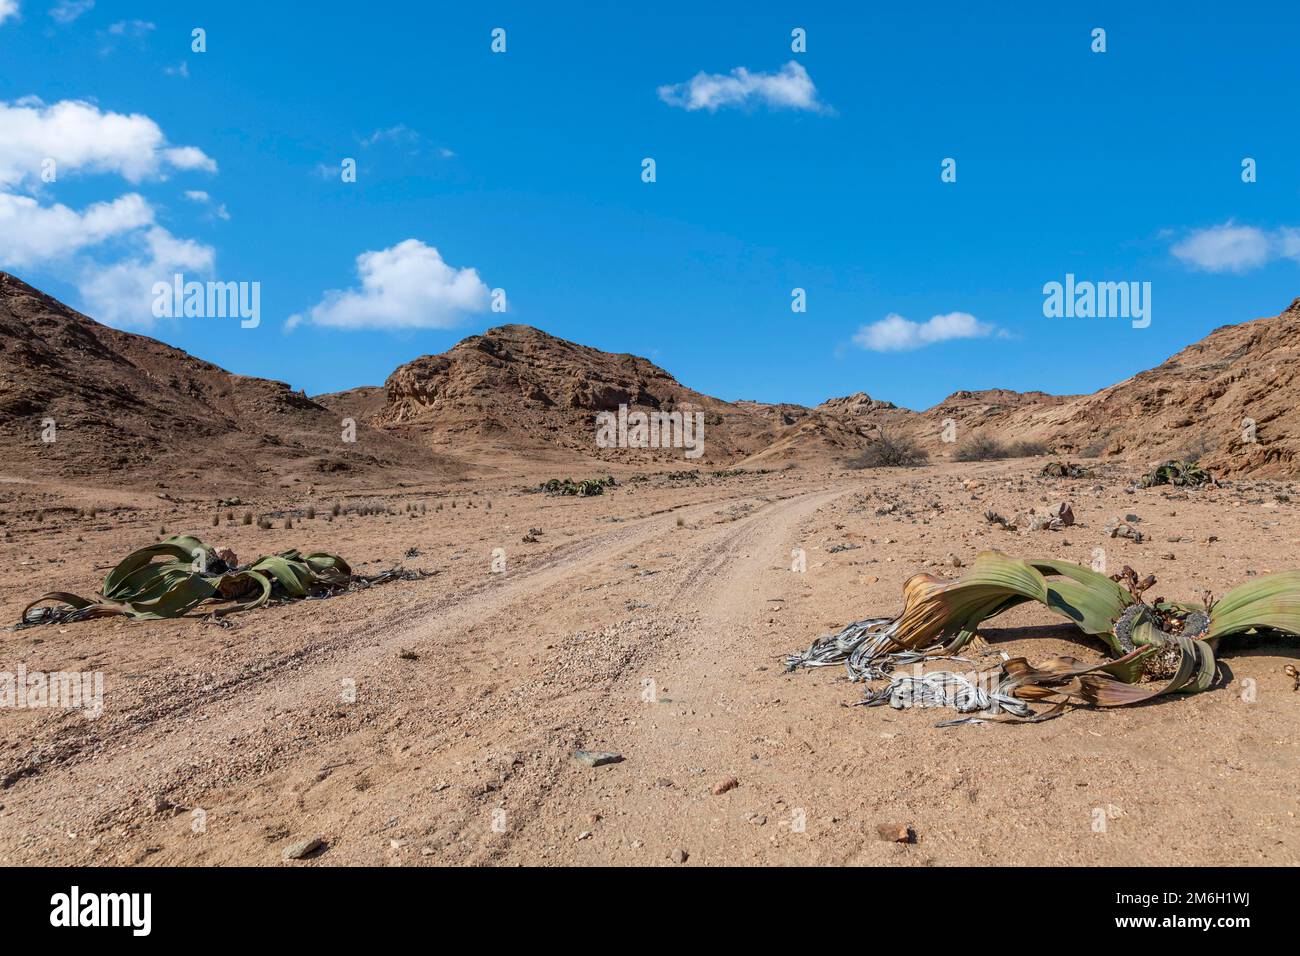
pixel 435 721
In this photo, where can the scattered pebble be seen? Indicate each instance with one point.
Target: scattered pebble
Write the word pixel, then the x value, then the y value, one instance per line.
pixel 296 851
pixel 596 758
pixel 896 832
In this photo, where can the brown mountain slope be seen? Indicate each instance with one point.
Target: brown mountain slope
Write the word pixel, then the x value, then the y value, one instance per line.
pixel 136 411
pixel 988 407
pixel 362 403
pixel 132 409
pixel 1199 400
pixel 1198 403
pixel 986 411
pixel 516 387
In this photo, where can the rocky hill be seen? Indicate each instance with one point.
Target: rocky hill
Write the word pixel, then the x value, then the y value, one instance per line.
pixel 128 408
pixel 1233 398
pixel 516 387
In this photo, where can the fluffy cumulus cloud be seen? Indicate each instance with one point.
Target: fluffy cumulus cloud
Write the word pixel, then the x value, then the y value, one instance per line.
pixel 79 137
pixel 31 233
pixel 8 8
pixel 1232 248
pixel 189 157
pixel 121 293
pixel 1225 248
pixel 788 88
pixel 894 333
pixel 407 286
pixel 113 250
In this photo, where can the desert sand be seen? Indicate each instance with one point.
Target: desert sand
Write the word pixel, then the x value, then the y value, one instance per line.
pixel 435 721
pixel 650 622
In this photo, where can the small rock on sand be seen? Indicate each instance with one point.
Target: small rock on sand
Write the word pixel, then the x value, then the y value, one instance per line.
pixel 596 758
pixel 896 833
pixel 296 851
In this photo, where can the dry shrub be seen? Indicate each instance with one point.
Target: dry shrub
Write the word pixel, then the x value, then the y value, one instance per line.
pixel 891 451
pixel 981 447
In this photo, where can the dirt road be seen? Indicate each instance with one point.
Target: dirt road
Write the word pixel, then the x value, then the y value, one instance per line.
pixel 435 723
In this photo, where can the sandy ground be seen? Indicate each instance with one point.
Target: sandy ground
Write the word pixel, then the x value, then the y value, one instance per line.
pixel 434 722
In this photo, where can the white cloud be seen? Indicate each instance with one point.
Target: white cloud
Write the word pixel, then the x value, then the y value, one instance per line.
pixel 189 157
pixel 1288 240
pixel 31 233
pixel 407 286
pixel 404 137
pixel 135 32
pixel 121 294
pixel 789 88
pixel 131 28
pixel 8 8
pixel 78 136
pixel 401 133
pixel 894 333
pixel 203 199
pixel 1227 248
pixel 66 11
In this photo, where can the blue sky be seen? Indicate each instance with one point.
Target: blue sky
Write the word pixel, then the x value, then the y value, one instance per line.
pixel 525 167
